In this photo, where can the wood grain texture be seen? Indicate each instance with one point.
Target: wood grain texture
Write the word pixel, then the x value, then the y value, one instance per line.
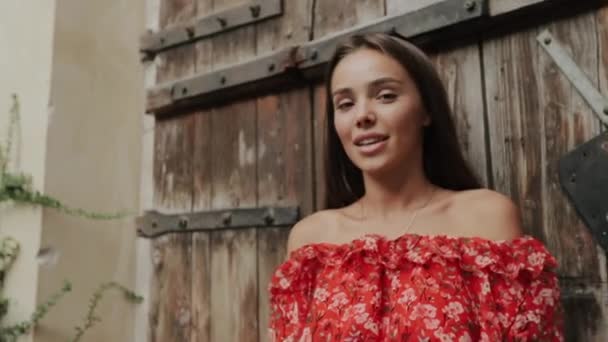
pixel 319 127
pixel 170 311
pixel 460 70
pixel 332 16
pixel 284 176
pixel 234 289
pixel 515 123
pixel 568 121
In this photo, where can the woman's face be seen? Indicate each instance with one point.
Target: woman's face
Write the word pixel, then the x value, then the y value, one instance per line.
pixel 378 112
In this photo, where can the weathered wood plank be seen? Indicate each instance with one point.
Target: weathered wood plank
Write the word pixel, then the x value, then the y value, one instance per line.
pixel 234 289
pixel 319 124
pixel 171 290
pixel 284 176
pixel 515 123
pixel 568 121
pixel 460 70
pixel 331 16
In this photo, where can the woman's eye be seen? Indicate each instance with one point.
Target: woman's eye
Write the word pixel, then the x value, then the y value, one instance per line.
pixel 344 105
pixel 387 97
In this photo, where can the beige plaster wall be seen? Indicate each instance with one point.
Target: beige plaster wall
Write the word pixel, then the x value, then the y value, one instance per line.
pixel 26 41
pixel 93 162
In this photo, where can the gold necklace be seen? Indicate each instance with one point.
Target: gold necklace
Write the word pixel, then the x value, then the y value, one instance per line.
pixel 407 228
pixel 409 225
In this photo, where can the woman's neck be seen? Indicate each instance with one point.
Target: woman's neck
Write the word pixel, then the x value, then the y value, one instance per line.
pixel 400 192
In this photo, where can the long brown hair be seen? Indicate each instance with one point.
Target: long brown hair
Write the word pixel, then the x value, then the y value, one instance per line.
pixel 443 160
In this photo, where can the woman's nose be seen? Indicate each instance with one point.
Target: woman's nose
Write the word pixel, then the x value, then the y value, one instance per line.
pixel 366 116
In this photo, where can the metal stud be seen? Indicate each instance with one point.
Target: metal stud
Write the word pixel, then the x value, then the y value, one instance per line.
pixel 190 32
pixel 226 218
pixel 222 21
pixel 470 5
pixel 255 10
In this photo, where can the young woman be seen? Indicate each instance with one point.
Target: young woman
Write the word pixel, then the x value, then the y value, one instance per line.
pixel 410 248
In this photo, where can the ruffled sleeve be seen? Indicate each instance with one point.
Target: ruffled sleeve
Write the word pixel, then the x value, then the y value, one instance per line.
pixel 539 316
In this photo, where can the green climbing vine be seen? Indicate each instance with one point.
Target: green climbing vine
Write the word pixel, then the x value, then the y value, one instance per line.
pixel 17 187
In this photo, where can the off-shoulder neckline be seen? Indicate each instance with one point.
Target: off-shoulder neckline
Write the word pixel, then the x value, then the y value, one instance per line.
pixel 432 237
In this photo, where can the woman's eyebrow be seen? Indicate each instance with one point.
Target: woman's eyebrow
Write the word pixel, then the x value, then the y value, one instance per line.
pixel 383 80
pixel 373 84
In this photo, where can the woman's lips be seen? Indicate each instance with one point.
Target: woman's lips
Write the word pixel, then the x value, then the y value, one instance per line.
pixel 374 148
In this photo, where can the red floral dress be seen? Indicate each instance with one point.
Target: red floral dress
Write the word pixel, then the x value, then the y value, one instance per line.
pixel 417 288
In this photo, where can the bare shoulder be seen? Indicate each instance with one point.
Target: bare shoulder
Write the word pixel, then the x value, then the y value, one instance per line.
pixel 491 214
pixel 310 229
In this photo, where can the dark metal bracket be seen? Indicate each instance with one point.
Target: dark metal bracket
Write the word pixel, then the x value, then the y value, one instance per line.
pixel 229 19
pixel 153 223
pixel 583 172
pixel 278 67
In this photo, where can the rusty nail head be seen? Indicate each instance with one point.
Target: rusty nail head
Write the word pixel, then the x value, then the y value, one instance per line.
pixel 470 5
pixel 223 79
pixel 162 40
pixel 271 67
pixel 255 10
pixel 190 32
pixel 314 55
pixel 226 218
pixel 547 40
pixel 183 222
pixel 268 218
pixel 154 224
pixel 184 91
pixel 222 21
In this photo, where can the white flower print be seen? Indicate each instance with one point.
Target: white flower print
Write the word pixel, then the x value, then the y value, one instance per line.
pixel 414 256
pixel 431 324
pixel 284 283
pixel 306 336
pixel 361 317
pixel 483 260
pixel 443 337
pixel 465 338
pixel 535 259
pixel 370 243
pixel 359 308
pixel 321 294
pixel 371 326
pixel 470 251
pixel 338 300
pixel 545 296
pixel 423 310
pixel 407 296
pixel 292 315
pixel 485 287
pixel 454 309
pixel 532 316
